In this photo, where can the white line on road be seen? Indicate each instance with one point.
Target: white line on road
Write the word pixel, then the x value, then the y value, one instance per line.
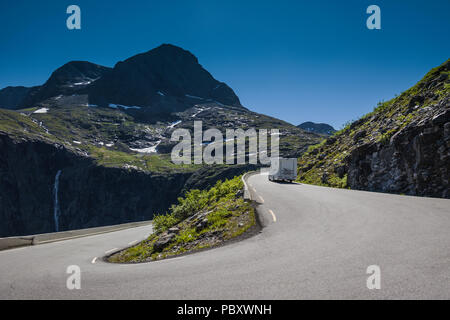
pixel 261 198
pixel 274 217
pixel 170 259
pixel 93 260
pixel 133 242
pixel 109 251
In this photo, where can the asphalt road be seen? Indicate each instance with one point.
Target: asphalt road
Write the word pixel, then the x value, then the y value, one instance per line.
pixel 316 244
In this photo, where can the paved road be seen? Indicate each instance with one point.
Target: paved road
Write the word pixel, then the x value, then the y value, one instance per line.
pixel 317 244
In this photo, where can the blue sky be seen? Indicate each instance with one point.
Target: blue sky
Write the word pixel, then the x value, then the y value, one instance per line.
pixel 295 60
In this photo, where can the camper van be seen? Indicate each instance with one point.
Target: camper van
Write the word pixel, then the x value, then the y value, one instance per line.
pixel 286 170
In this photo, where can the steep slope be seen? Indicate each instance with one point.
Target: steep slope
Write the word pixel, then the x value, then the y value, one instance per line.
pixel 166 78
pixel 320 128
pixel 403 146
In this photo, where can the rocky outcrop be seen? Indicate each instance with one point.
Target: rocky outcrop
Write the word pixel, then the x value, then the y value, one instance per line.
pixel 415 161
pixel 403 146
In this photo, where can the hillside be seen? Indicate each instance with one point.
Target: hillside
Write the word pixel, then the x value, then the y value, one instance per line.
pixel 403 146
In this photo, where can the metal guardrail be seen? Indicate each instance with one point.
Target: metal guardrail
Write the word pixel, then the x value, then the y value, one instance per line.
pixel 14 242
pixel 247 193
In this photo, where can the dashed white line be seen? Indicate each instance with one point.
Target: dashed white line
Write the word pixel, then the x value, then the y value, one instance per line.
pixel 109 251
pixel 93 260
pixel 274 217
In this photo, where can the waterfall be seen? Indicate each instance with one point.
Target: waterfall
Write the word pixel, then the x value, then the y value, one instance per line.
pixel 56 203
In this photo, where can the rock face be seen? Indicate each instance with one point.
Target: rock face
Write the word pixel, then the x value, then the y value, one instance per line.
pixel 320 128
pixel 403 146
pixel 415 161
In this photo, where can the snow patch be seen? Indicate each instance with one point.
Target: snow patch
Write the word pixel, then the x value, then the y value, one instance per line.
pixel 173 124
pixel 149 149
pixel 42 110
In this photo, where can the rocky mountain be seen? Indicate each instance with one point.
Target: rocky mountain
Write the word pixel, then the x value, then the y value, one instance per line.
pixel 73 77
pixel 163 80
pixel 403 146
pixel 67 162
pixel 320 128
pixel 12 97
pixel 166 78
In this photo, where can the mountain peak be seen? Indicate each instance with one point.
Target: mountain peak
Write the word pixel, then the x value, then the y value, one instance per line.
pixel 167 78
pixel 321 128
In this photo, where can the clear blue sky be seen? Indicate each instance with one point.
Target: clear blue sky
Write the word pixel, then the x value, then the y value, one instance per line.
pixel 295 60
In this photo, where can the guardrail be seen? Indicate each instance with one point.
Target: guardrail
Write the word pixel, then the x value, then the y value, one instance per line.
pixel 247 193
pixel 14 242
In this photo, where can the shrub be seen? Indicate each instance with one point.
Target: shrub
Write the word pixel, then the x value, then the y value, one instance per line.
pixel 162 223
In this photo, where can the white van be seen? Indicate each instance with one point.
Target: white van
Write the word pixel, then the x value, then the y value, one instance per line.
pixel 285 170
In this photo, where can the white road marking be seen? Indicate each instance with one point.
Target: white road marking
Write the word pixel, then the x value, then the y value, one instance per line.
pixel 93 260
pixel 261 198
pixel 109 251
pixel 133 242
pixel 170 259
pixel 273 216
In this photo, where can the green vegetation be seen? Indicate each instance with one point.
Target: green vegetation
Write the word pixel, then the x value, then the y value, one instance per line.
pixel 18 125
pixel 154 162
pixel 201 219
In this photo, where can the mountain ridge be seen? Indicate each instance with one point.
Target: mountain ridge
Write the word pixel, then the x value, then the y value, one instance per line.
pixel 162 80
